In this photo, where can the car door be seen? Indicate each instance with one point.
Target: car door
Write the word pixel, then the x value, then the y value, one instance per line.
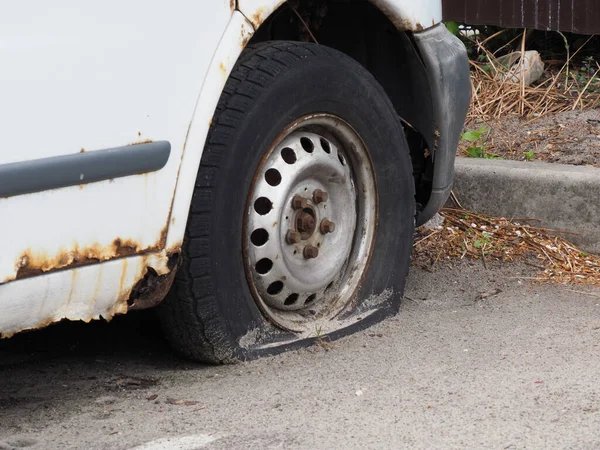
pixel 96 100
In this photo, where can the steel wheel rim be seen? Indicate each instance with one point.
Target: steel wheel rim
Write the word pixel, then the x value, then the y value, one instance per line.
pixel 292 287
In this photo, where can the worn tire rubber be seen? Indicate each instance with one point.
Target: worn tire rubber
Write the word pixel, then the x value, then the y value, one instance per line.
pixel 210 309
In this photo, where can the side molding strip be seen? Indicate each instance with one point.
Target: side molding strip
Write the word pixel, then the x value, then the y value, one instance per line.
pixel 55 172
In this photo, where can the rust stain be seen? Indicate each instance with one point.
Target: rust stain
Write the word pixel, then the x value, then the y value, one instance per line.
pixel 162 236
pixel 152 288
pixel 187 134
pixel 166 228
pixel 222 68
pixel 232 5
pixel 123 277
pixel 402 24
pixel 31 263
pixel 73 278
pixel 82 150
pixel 149 289
pixel 145 141
pixel 42 324
pixel 246 35
pixel 97 288
pixel 257 18
pixel 406 24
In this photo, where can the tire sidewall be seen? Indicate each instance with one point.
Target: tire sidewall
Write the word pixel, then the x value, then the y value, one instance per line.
pixel 333 84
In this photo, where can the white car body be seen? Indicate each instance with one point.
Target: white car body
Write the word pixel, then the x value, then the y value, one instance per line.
pixel 80 77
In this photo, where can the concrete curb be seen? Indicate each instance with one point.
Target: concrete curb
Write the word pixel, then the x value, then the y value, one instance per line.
pixel 561 196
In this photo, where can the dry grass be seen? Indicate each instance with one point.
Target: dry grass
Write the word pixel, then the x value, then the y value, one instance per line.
pixel 466 234
pixel 495 96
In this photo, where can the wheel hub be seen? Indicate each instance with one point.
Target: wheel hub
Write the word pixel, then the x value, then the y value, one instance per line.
pixel 310 222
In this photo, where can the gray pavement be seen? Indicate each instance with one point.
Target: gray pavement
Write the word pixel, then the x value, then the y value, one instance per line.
pixel 516 369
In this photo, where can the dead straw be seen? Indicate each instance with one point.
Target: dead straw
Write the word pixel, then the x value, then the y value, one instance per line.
pixel 496 95
pixel 479 236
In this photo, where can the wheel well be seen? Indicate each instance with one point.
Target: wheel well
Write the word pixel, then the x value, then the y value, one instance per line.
pixel 359 29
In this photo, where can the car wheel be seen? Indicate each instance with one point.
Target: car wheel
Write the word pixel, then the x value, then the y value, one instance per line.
pixel 302 218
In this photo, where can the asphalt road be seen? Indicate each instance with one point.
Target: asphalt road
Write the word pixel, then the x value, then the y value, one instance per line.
pixel 518 368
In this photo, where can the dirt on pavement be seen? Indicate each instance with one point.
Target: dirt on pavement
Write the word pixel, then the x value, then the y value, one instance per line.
pixel 476 358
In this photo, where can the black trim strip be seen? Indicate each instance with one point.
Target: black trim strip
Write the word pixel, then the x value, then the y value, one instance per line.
pixel 55 172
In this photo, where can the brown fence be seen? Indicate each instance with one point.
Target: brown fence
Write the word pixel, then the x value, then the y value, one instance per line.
pixel 577 16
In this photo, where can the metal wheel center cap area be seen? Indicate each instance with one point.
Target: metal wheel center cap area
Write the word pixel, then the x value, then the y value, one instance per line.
pixel 310 223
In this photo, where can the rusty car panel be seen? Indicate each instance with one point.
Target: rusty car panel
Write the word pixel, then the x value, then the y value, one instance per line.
pixel 86 293
pixel 49 236
pixel 85 251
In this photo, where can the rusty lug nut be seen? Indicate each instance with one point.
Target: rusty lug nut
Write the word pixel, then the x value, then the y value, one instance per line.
pixel 310 251
pixel 299 202
pixel 305 223
pixel 320 196
pixel 327 226
pixel 293 237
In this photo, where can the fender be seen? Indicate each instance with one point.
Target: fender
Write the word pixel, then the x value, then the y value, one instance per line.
pixel 406 15
pixel 104 289
pixel 234 39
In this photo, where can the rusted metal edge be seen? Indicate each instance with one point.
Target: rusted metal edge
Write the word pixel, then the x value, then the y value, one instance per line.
pixel 150 290
pixel 30 265
pixel 44 174
pixel 153 280
pixel 401 23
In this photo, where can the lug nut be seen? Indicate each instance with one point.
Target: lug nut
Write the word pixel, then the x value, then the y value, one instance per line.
pixel 293 237
pixel 310 252
pixel 299 202
pixel 327 226
pixel 305 223
pixel 320 196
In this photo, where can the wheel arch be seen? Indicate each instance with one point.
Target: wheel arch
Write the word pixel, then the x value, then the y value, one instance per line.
pixel 250 22
pixel 391 54
pixel 381 35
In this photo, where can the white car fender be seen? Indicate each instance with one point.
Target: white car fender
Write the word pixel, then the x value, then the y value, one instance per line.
pixel 406 15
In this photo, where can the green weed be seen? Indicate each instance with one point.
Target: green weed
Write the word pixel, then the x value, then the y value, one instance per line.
pixel 484 242
pixel 476 139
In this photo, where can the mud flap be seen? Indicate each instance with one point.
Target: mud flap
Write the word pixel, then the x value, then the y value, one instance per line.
pixel 447 65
